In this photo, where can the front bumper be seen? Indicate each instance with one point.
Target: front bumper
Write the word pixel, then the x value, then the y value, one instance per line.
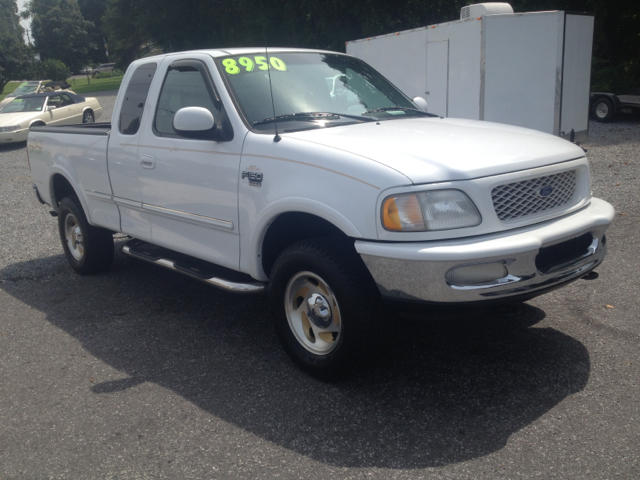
pixel 418 271
pixel 15 136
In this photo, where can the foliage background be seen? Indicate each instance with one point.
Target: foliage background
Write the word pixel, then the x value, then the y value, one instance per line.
pixel 175 25
pixel 73 30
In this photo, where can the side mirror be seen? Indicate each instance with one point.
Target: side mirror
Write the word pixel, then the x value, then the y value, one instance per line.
pixel 421 103
pixel 51 107
pixel 194 122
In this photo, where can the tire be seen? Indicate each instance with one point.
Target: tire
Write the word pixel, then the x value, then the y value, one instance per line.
pixel 325 307
pixel 87 117
pixel 603 110
pixel 88 249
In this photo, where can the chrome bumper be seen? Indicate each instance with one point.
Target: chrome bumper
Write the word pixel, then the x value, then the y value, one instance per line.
pixel 417 271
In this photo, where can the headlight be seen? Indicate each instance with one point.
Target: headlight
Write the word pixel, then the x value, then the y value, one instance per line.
pixel 9 129
pixel 432 210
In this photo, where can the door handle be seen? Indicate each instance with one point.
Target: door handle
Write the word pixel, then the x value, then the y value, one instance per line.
pixel 148 162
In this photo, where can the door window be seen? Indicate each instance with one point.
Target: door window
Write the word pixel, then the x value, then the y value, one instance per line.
pixel 184 86
pixel 65 100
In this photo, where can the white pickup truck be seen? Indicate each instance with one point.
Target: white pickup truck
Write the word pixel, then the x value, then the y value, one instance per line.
pixel 306 174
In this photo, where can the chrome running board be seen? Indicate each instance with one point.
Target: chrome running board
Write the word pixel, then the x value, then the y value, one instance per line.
pixel 192 267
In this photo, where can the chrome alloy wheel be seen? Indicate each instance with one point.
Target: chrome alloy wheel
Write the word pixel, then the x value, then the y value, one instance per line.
pixel 313 313
pixel 602 110
pixel 73 236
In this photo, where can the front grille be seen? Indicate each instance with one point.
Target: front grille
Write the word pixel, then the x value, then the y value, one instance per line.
pixel 528 197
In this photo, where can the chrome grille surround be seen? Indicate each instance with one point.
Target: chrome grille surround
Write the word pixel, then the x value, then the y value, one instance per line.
pixel 522 199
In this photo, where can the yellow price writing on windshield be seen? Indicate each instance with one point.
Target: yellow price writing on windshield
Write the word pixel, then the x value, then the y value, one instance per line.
pixel 232 68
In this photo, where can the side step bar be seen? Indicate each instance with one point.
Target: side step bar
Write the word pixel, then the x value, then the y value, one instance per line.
pixel 199 269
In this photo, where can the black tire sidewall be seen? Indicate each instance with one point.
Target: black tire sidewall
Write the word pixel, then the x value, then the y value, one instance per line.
pixel 343 275
pixel 97 242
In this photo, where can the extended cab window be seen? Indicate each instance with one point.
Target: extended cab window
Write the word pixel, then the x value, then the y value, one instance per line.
pixel 184 86
pixel 135 98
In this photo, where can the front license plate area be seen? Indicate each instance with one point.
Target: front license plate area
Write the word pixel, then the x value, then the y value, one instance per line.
pixel 562 254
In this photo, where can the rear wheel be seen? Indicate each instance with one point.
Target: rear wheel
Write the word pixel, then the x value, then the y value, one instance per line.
pixel 87 117
pixel 325 307
pixel 603 110
pixel 88 249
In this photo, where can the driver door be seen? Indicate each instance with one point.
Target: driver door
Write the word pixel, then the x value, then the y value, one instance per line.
pixel 189 187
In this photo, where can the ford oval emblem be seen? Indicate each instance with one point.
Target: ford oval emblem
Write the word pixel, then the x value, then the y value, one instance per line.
pixel 545 191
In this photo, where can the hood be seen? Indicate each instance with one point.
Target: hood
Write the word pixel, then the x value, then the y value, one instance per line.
pixel 17 118
pixel 428 150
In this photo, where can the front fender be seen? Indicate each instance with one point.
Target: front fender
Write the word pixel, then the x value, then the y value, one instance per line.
pixel 250 260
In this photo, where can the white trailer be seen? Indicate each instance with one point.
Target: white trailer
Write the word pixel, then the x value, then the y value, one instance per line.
pixel 527 69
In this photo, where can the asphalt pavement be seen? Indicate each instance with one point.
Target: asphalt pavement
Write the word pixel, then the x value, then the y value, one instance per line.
pixel 143 373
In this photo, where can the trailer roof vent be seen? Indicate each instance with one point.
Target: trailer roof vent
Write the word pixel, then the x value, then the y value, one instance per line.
pixel 482 9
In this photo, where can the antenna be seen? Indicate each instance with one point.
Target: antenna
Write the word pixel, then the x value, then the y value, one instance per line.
pixel 277 138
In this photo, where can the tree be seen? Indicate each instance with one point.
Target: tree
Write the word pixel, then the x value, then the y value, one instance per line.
pixel 93 11
pixel 15 59
pixel 9 19
pixel 15 56
pixel 186 24
pixel 59 31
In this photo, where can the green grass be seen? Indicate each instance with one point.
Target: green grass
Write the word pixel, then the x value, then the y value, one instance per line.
pixel 82 85
pixel 8 88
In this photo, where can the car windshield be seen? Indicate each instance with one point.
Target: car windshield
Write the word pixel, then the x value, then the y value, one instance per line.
pixel 24 89
pixel 24 105
pixel 311 90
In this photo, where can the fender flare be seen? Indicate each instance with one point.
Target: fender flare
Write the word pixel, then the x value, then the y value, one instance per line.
pixel 57 170
pixel 291 205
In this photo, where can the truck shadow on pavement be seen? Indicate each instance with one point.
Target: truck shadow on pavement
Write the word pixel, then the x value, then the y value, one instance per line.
pixel 443 392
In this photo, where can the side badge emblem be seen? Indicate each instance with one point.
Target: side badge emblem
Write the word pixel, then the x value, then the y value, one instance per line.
pixel 255 178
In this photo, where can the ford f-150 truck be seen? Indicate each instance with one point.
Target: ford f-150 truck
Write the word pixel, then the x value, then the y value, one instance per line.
pixel 307 175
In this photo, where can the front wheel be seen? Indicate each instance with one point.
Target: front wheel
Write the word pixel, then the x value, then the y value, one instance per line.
pixel 88 249
pixel 325 307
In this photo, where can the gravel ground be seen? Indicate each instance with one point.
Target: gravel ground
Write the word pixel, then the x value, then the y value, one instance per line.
pixel 141 373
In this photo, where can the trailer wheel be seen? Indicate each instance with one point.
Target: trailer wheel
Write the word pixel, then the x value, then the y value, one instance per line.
pixel 88 249
pixel 603 110
pixel 324 306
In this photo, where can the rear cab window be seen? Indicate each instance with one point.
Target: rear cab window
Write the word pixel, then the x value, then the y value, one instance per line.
pixel 135 99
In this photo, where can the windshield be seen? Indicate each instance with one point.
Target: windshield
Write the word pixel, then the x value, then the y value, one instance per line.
pixel 24 89
pixel 33 104
pixel 319 89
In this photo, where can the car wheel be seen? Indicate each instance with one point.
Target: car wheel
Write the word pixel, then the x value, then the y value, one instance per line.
pixel 325 307
pixel 88 249
pixel 603 110
pixel 87 117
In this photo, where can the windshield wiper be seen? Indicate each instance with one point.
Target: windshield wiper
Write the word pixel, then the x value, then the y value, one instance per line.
pixel 310 116
pixel 401 109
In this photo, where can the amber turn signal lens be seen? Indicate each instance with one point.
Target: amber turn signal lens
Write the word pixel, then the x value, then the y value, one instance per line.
pixel 390 216
pixel 402 213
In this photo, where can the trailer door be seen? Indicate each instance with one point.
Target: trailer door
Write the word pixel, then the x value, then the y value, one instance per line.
pixel 438 77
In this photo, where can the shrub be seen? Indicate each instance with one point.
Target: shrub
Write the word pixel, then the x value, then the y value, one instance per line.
pixel 55 70
pixel 113 73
